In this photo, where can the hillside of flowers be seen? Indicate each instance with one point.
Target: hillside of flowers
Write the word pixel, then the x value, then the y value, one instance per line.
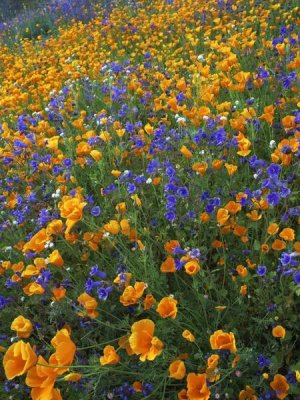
pixel 149 201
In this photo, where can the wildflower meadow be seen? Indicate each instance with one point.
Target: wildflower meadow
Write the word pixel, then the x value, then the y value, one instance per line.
pixel 149 200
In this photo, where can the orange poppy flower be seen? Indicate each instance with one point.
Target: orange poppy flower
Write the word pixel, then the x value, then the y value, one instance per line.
pixel 278 332
pixel 65 349
pixel 242 271
pixel 55 395
pixel 265 248
pixel 112 227
pixel 58 293
pixel 247 394
pixel 186 334
pixel 71 208
pixel 132 294
pixel 273 229
pixel 217 164
pixel 213 361
pixel 137 386
pixel 171 245
pixel 222 216
pixel 33 288
pixel 149 301
pixel 278 245
pixel 254 216
pixel 22 326
pixel 280 385
pixel 223 341
pixel 119 279
pixel 243 290
pixel 142 341
pixel 167 308
pixel 231 168
pixel 121 208
pixel 89 303
pixel 124 344
pixel 177 370
pixel 136 200
pixel 110 357
pixel 200 168
pixel 204 217
pixel 56 259
pixel 55 227
pixel 96 154
pixel 149 129
pixel 83 149
pixel 233 207
pixel 197 387
pixel 186 152
pixel 192 267
pixel 287 234
pixel 41 378
pixel 168 265
pixel 18 358
pixel 37 242
pixel 182 395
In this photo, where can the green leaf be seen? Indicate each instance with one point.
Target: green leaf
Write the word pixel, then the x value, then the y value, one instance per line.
pixel 256 245
pixel 277 361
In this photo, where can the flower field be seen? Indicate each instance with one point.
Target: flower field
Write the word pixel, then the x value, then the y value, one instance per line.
pixel 149 201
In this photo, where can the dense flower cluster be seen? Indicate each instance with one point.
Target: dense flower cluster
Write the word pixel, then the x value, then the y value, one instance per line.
pixel 149 212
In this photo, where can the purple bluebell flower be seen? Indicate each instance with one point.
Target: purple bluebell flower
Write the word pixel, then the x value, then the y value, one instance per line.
pixel 261 270
pixel 96 211
pixel 183 191
pixel 273 198
pixel 297 278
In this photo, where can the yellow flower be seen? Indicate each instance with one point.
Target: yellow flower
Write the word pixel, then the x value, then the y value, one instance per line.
pixel 73 377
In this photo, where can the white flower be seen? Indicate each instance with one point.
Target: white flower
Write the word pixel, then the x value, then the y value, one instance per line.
pixel 201 58
pixel 272 144
pixel 149 180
